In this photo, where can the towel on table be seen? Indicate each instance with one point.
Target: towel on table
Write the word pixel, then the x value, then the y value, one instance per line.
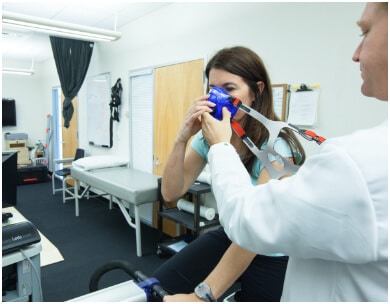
pixel 99 161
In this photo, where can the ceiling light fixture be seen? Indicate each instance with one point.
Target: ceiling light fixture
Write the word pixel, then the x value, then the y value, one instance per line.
pixel 24 72
pixel 18 71
pixel 59 28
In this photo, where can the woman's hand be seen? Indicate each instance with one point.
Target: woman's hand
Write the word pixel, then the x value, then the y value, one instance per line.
pixel 191 297
pixel 216 131
pixel 192 123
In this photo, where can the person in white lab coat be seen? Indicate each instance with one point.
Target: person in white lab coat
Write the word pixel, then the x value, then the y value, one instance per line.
pixel 331 217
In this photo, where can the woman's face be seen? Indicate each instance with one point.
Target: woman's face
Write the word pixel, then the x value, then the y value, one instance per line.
pixel 232 84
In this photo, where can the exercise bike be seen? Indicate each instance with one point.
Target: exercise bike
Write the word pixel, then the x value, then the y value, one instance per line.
pixel 140 289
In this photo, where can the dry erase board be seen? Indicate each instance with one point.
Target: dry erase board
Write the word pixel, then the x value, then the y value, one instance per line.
pixel 98 109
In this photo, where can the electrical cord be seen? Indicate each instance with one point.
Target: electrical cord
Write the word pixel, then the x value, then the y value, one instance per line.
pixel 35 272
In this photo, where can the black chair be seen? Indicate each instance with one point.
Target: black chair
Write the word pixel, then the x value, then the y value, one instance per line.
pixel 64 173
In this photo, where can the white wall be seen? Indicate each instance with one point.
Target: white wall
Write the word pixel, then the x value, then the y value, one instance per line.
pixel 299 42
pixel 31 110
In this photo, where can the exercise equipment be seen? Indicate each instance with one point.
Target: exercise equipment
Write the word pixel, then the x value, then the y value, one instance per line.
pixel 140 289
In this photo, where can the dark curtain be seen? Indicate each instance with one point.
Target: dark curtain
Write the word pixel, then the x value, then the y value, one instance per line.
pixel 72 59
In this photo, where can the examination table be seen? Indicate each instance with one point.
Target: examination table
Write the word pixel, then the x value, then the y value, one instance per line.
pixel 124 186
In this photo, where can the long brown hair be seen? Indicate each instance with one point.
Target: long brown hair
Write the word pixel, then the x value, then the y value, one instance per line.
pixel 247 64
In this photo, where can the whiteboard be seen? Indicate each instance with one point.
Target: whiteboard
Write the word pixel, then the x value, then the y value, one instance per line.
pixel 98 110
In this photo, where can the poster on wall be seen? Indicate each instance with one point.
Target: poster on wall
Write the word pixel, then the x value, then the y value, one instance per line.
pixel 98 110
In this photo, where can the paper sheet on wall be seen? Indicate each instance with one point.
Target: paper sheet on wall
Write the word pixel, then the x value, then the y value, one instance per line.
pixel 277 93
pixel 303 108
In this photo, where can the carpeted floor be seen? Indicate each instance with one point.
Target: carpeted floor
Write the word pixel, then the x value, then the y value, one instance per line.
pixel 86 242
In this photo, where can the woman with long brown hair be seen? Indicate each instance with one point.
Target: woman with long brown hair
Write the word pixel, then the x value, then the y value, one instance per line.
pixel 212 260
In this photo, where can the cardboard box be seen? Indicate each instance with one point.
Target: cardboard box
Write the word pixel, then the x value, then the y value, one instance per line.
pixel 15 144
pixel 23 156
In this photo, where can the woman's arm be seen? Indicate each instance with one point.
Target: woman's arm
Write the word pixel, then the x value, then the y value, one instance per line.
pixel 182 168
pixel 231 266
pixel 180 171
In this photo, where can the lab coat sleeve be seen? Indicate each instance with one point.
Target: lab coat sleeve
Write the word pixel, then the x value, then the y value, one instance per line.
pixel 323 211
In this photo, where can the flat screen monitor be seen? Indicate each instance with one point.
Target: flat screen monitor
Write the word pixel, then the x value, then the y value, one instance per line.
pixel 9 112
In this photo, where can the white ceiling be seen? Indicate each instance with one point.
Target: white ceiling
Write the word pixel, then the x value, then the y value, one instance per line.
pixel 35 47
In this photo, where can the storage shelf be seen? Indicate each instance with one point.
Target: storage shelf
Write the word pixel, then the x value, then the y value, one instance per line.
pixel 186 219
pixel 199 188
pixel 192 222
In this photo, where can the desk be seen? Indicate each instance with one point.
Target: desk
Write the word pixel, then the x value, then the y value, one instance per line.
pixel 50 253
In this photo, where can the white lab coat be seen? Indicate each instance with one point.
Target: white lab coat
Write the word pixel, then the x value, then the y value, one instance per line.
pixel 330 217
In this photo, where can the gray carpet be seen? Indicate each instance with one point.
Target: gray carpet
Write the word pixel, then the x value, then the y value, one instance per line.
pixel 86 242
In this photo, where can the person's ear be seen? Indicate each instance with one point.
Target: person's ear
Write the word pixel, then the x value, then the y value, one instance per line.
pixel 261 86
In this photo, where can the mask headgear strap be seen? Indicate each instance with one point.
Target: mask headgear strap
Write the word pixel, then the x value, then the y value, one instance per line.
pixel 274 128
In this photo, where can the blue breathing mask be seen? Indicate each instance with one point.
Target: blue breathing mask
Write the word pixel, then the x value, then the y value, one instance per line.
pixel 221 99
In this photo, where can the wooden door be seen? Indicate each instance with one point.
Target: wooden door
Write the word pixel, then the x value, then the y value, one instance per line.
pixel 175 88
pixel 70 139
